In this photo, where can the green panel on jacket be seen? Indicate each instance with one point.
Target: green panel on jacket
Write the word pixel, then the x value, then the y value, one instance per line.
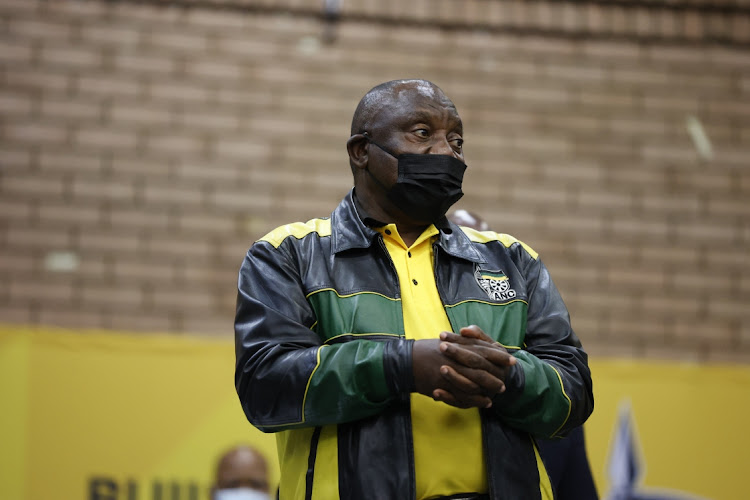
pixel 351 371
pixel 506 323
pixel 364 313
pixel 543 382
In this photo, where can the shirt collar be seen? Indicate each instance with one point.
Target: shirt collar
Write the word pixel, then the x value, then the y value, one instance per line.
pixel 441 224
pixel 390 231
pixel 363 215
pixel 352 227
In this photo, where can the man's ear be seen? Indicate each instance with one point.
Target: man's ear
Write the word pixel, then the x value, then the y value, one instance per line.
pixel 357 148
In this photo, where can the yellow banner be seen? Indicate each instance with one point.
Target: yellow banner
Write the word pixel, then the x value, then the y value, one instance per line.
pixel 102 416
pixel 111 416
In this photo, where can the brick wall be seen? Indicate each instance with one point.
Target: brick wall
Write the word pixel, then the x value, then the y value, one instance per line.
pixel 143 148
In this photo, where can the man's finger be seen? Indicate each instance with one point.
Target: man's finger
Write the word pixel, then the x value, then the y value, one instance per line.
pixel 476 381
pixel 462 401
pixel 477 356
pixel 464 340
pixel 467 340
pixel 495 356
pixel 465 356
pixel 459 381
pixel 473 331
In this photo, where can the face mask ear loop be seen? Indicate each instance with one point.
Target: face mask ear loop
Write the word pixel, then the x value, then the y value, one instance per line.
pixel 367 169
pixel 369 139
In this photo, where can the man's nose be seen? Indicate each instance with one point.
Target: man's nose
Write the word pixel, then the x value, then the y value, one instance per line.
pixel 442 146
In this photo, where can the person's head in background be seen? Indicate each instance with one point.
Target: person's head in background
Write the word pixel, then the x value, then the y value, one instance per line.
pixel 469 219
pixel 241 474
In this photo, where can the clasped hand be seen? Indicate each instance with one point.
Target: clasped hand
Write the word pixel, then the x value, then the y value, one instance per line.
pixel 464 370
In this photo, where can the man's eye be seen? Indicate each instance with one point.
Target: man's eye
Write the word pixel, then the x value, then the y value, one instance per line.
pixel 422 132
pixel 457 143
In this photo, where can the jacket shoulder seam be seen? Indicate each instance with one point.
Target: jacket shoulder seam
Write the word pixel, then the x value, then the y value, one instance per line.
pixel 505 239
pixel 321 226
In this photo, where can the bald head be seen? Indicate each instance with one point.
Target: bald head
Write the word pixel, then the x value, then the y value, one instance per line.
pixel 388 94
pixel 242 467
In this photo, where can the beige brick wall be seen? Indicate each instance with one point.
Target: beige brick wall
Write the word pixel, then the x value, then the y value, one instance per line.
pixel 155 144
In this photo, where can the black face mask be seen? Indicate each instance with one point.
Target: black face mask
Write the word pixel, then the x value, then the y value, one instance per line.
pixel 427 184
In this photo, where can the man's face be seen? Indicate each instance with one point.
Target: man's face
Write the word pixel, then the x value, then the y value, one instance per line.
pixel 419 120
pixel 242 469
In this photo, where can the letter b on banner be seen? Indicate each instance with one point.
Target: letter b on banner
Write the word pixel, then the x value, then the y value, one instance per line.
pixel 102 488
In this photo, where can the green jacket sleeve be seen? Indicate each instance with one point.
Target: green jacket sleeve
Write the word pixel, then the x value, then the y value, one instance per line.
pixel 285 376
pixel 549 390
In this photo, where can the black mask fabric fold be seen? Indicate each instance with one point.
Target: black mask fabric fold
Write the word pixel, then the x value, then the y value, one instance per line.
pixel 427 185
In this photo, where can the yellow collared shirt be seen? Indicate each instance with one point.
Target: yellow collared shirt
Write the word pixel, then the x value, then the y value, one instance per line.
pixel 448 456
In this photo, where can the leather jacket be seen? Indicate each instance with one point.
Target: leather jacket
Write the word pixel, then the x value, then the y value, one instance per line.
pixel 322 359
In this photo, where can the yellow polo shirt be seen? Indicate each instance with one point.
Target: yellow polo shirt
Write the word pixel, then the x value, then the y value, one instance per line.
pixel 448 456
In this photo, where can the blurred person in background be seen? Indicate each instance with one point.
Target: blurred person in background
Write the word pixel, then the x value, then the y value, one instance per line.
pixel 241 474
pixel 565 458
pixel 344 330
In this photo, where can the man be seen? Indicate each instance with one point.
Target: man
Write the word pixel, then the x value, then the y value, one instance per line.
pixel 345 324
pixel 241 474
pixel 565 459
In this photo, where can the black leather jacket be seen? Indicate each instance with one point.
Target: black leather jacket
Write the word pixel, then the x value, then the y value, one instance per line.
pixel 321 351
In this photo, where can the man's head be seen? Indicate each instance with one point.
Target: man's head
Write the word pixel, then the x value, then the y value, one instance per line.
pixel 395 118
pixel 241 468
pixel 469 219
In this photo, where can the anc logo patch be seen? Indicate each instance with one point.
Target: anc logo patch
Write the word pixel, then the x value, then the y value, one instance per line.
pixel 495 284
